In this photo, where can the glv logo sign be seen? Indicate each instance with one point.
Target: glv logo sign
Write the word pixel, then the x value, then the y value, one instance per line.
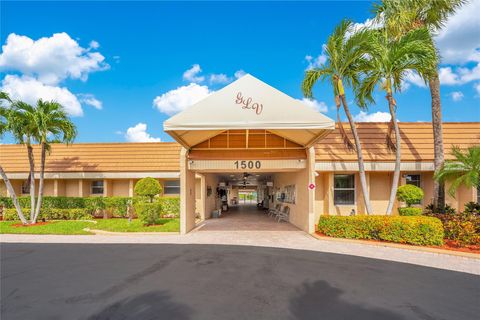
pixel 247 103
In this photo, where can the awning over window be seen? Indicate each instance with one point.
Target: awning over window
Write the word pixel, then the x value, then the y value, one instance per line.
pixel 249 103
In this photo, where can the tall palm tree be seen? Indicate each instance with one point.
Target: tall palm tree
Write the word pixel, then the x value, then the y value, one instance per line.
pixel 23 129
pixel 390 60
pixel 402 16
pixel 6 120
pixel 52 125
pixel 463 170
pixel 344 57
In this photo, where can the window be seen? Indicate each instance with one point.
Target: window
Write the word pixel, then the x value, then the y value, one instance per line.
pixel 97 187
pixel 414 179
pixel 172 187
pixel 26 187
pixel 478 194
pixel 344 189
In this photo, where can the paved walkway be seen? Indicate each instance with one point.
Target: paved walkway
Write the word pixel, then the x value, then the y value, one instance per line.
pixel 253 228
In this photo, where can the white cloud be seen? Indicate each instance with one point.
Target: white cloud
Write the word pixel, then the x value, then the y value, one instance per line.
pixel 413 78
pixel 456 96
pixel 316 62
pixel 192 74
pixel 90 100
pixel 94 44
pixel 50 59
pixel 139 133
pixel 239 73
pixel 476 86
pixel 372 117
pixel 448 76
pixel 318 106
pixel 181 98
pixel 29 89
pixel 220 78
pixel 459 40
pixel 459 75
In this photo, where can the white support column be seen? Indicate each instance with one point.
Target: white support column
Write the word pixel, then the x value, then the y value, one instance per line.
pixel 55 187
pixel 187 194
pixel 80 188
pixel 130 187
pixel 311 192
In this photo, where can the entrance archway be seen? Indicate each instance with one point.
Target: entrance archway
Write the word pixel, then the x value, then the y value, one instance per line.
pixel 251 127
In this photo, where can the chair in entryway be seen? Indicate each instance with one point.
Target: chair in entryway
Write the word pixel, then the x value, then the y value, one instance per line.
pixel 283 215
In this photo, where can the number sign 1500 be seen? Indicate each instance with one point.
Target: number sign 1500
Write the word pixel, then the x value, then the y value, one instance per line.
pixel 244 164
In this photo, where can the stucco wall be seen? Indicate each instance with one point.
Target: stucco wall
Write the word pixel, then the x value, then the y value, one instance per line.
pixel 299 210
pixel 211 180
pixel 71 188
pixel 380 185
pixel 120 188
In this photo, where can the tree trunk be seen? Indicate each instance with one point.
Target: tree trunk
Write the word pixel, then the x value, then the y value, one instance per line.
pixel 439 157
pixel 361 167
pixel 40 184
pixel 396 172
pixel 12 194
pixel 32 181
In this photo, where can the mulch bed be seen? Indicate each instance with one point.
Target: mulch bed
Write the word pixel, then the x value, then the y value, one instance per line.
pixel 17 225
pixel 447 245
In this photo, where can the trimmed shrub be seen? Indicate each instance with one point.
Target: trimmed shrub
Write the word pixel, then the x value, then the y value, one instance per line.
pixel 410 211
pixel 51 214
pixel 170 207
pixel 148 187
pixel 463 228
pixel 472 207
pixel 149 213
pixel 47 202
pixel 411 230
pixel 409 194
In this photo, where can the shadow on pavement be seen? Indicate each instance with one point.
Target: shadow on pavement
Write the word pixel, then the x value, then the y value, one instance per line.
pixel 319 300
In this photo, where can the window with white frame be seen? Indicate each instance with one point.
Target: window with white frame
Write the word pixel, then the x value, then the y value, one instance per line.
pixel 344 189
pixel 97 187
pixel 171 187
pixel 414 179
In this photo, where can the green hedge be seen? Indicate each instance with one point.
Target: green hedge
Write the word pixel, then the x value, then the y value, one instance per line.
pixel 412 230
pixel 149 213
pixel 410 211
pixel 114 206
pixel 170 206
pixel 51 214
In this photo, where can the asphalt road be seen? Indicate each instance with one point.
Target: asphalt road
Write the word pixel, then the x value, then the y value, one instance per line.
pixel 98 281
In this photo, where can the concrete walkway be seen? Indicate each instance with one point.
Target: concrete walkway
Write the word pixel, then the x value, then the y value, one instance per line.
pixel 253 228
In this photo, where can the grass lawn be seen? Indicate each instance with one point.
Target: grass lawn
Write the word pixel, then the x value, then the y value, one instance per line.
pixel 76 227
pixel 53 227
pixel 122 225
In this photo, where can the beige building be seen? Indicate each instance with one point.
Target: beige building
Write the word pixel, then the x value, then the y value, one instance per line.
pixel 249 139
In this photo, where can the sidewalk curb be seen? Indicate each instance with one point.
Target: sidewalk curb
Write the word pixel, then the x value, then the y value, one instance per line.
pixel 113 233
pixel 400 246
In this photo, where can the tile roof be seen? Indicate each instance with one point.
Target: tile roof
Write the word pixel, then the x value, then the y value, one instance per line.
pixel 417 145
pixel 417 141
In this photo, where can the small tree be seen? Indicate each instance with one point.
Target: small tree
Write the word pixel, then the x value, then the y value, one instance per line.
pixel 409 194
pixel 148 187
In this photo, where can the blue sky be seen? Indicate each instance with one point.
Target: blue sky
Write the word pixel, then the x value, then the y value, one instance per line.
pixel 121 65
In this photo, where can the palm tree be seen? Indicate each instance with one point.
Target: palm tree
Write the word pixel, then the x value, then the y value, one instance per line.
pixel 6 120
pixel 23 128
pixel 463 170
pixel 344 57
pixel 52 125
pixel 390 60
pixel 402 16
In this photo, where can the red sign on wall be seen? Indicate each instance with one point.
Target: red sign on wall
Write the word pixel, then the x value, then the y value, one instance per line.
pixel 311 186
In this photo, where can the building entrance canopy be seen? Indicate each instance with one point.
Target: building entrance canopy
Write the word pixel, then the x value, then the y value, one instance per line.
pixel 249 103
